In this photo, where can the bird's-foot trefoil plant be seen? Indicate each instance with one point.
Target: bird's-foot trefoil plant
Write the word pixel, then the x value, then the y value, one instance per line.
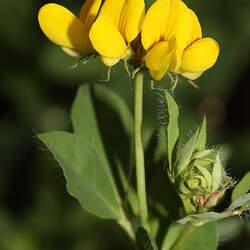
pixel 167 41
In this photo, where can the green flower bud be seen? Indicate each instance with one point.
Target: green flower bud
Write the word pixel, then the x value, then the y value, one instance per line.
pixel 202 182
pixel 195 171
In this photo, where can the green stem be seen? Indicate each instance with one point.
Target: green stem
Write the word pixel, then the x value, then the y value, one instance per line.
pixel 179 243
pixel 139 153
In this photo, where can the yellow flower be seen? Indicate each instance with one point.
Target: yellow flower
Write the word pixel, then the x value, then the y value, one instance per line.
pixel 171 35
pixel 64 29
pixel 117 25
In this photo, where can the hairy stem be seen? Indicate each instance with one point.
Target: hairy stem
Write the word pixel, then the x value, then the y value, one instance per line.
pixel 139 153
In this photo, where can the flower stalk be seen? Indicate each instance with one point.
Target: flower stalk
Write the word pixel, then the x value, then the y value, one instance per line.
pixel 139 152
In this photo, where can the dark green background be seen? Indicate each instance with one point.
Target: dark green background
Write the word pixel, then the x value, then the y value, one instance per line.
pixel 36 92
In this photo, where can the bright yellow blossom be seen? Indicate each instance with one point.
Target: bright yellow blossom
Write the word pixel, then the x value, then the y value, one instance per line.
pixel 117 25
pixel 64 29
pixel 171 35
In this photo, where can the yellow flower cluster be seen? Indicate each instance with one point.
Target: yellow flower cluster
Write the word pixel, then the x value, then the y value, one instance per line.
pixel 169 35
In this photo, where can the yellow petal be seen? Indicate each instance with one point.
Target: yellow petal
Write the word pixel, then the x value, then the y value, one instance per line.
pixel 200 56
pixel 192 76
pixel 196 28
pixel 108 61
pixel 157 75
pixel 182 29
pixel 71 52
pixel 112 8
pixel 89 12
pixel 183 26
pixel 64 28
pixel 161 55
pixel 155 23
pixel 131 19
pixel 173 18
pixel 106 39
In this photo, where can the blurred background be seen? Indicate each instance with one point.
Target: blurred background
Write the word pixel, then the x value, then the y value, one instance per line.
pixel 36 92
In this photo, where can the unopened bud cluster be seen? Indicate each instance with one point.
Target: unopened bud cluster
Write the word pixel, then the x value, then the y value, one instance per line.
pixel 203 181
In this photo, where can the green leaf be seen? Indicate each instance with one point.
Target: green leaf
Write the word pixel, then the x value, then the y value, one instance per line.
pixel 202 137
pixel 172 127
pixel 242 187
pixel 172 234
pixel 199 238
pixel 128 190
pixel 87 175
pixel 204 217
pixel 84 120
pixel 144 240
pixel 241 202
pixel 120 131
pixel 202 154
pixel 185 154
pixel 205 237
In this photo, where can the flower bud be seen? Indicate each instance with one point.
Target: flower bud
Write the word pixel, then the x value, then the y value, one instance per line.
pixel 202 182
pixel 196 172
